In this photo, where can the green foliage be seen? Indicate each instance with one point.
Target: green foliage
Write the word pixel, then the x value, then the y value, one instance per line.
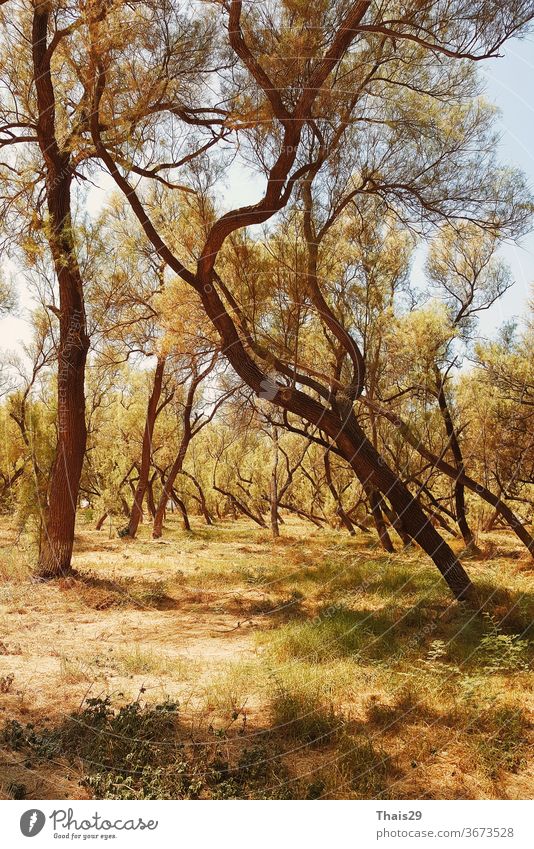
pixel 139 751
pixel 499 652
pixel 335 633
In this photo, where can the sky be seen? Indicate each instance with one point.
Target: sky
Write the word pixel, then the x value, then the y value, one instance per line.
pixel 509 86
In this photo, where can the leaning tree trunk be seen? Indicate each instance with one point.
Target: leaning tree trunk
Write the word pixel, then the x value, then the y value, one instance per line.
pixel 352 443
pixel 183 509
pixel 274 488
pixel 152 411
pixel 201 498
pixel 340 511
pixel 176 466
pixel 168 486
pixel 378 518
pixel 370 466
pixel 501 508
pixel 459 489
pixel 395 523
pixel 59 514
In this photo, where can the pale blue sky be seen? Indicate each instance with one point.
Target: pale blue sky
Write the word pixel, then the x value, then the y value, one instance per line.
pixel 509 85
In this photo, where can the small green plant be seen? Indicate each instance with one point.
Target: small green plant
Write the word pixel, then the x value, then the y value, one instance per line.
pixel 500 652
pixel 140 751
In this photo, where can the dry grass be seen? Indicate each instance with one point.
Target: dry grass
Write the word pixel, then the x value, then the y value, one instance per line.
pixel 351 670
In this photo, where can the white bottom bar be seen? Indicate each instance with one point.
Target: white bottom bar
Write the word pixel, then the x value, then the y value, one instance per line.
pixel 270 824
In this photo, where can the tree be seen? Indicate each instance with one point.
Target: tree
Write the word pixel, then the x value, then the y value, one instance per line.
pixel 302 145
pixel 36 119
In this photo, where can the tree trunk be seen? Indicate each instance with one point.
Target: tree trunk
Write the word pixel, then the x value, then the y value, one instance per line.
pixel 201 498
pixel 238 506
pixel 59 515
pixel 318 521
pixel 183 509
pixel 152 409
pixel 335 494
pixel 274 487
pixel 150 503
pixel 187 436
pixel 345 432
pixel 395 522
pixel 495 500
pixel 459 490
pixel 100 523
pixel 169 484
pixel 378 518
pixel 369 466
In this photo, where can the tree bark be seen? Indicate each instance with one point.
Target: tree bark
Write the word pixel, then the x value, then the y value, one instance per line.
pixel 150 502
pixel 59 515
pixel 152 409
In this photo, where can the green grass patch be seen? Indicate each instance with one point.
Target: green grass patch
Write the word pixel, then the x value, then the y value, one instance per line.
pixel 336 633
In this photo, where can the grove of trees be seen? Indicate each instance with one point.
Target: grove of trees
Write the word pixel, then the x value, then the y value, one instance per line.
pixel 272 306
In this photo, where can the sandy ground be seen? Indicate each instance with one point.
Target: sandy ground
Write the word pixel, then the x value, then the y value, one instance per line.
pixel 154 616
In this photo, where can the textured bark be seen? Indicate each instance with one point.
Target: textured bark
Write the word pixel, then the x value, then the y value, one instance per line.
pixel 151 415
pixel 59 513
